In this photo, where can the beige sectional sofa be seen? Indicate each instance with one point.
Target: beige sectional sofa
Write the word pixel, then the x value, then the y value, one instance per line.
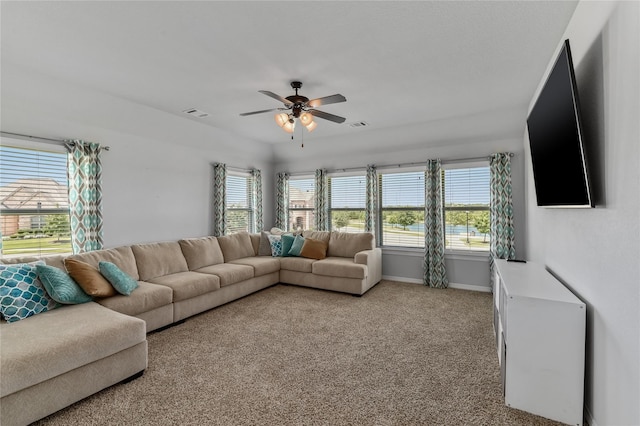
pixel 55 358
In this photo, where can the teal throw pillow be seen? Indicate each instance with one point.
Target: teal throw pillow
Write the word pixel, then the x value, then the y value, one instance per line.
pixel 296 247
pixel 287 242
pixel 120 280
pixel 276 245
pixel 60 286
pixel 21 292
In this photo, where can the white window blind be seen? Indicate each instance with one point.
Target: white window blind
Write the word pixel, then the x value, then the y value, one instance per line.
pixel 34 203
pixel 301 203
pixel 402 208
pixel 347 195
pixel 466 208
pixel 238 202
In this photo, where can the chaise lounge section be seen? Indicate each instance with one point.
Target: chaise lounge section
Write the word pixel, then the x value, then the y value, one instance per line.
pixel 53 359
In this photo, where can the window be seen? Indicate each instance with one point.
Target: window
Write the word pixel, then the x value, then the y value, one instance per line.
pixel 401 208
pixel 302 192
pixel 34 204
pixel 347 202
pixel 238 202
pixel 466 208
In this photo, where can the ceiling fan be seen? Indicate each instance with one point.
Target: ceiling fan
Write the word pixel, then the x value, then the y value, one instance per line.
pixel 302 108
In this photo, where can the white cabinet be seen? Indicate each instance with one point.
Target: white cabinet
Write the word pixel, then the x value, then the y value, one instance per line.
pixel 540 336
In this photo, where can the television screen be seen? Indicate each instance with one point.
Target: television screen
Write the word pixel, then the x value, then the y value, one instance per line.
pixel 555 137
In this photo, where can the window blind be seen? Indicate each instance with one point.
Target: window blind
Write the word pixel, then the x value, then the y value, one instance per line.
pixel 466 208
pixel 301 203
pixel 238 202
pixel 347 200
pixel 402 208
pixel 34 203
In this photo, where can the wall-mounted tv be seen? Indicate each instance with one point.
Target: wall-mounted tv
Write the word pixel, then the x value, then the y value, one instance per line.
pixel 555 136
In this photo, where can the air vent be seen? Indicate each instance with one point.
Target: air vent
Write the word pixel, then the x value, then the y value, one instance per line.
pixel 359 124
pixel 196 113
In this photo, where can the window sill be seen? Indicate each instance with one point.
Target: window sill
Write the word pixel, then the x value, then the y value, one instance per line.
pixel 403 251
pixel 477 256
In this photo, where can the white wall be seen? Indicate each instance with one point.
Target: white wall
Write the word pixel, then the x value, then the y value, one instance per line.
pixel 596 252
pixel 157 175
pixel 451 139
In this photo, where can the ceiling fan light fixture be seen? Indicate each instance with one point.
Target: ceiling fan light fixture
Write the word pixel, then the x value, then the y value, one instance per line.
pixel 282 119
pixel 306 118
pixel 289 126
pixel 311 126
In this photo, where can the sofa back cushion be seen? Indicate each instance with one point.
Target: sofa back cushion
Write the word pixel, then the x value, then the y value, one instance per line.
pixel 317 235
pixel 121 256
pixel 201 252
pixel 236 246
pixel 345 244
pixel 159 259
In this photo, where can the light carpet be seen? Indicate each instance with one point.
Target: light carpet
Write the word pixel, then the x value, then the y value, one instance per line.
pixel 402 354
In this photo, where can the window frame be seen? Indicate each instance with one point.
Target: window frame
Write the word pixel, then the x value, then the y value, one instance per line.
pixel 484 164
pixel 38 212
pixel 310 210
pixel 362 174
pixel 381 209
pixel 250 209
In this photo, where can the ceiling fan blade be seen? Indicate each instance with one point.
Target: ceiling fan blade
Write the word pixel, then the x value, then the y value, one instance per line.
pixel 333 99
pixel 326 116
pixel 260 112
pixel 274 96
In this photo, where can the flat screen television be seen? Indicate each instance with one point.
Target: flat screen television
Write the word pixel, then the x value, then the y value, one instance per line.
pixel 560 171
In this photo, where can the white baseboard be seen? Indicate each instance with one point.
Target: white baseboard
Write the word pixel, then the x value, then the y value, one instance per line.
pixel 451 285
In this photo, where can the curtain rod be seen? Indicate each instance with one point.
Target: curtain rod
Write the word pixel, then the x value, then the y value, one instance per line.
pixel 44 140
pixel 414 164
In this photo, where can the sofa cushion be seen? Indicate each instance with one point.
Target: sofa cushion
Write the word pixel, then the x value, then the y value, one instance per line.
pixel 275 241
pixel 147 297
pixel 262 265
pixel 186 285
pixel 122 282
pixel 201 252
pixel 255 243
pixel 296 247
pixel 229 273
pixel 287 242
pixel 158 259
pixel 22 293
pixel 264 248
pixel 314 249
pixel 89 278
pixel 236 246
pixel 298 264
pixel 346 244
pixel 318 235
pixel 60 286
pixel 57 341
pixel 121 256
pixel 339 267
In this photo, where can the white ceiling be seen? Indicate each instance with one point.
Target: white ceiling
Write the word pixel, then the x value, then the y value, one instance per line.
pixel 397 63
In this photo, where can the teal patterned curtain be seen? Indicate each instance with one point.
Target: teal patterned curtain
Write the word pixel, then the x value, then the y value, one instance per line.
pixel 322 200
pixel 282 200
pixel 502 231
pixel 371 211
pixel 256 199
pixel 219 192
pixel 84 171
pixel 435 274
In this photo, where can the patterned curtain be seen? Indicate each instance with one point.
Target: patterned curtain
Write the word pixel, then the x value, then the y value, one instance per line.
pixel 85 195
pixel 282 200
pixel 371 210
pixel 219 193
pixel 322 200
pixel 435 274
pixel 502 231
pixel 256 199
